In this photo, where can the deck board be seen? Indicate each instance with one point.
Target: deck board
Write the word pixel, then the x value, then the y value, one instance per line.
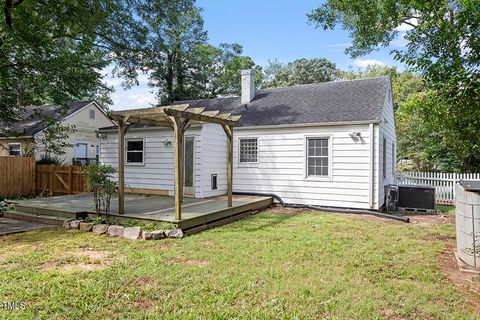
pixel 195 212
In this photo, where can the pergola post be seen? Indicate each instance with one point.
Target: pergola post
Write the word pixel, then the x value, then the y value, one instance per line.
pixel 229 132
pixel 177 150
pixel 121 166
pixel 178 117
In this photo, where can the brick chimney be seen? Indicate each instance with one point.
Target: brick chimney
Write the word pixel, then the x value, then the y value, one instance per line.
pixel 248 85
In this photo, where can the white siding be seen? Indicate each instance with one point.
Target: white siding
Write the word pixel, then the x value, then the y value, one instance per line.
pixel 157 170
pixel 214 159
pixel 387 131
pixel 85 131
pixel 281 168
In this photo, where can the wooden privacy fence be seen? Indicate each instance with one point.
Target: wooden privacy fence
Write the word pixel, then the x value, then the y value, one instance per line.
pixel 17 176
pixel 444 183
pixel 57 180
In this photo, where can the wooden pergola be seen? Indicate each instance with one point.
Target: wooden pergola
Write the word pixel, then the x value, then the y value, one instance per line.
pixel 179 118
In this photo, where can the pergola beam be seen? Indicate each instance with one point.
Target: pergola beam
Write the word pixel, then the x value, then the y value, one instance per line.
pixel 179 118
pixel 200 117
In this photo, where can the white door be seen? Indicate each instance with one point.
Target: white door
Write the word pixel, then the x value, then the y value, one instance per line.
pixel 189 172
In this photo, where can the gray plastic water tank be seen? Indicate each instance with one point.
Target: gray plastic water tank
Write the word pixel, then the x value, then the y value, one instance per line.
pixel 467 219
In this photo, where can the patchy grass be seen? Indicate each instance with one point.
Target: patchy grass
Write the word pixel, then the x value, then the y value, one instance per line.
pixel 448 210
pixel 272 265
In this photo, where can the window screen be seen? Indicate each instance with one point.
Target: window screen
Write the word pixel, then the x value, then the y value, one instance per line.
pixel 249 150
pixel 317 157
pixel 134 151
pixel 14 149
pixel 92 114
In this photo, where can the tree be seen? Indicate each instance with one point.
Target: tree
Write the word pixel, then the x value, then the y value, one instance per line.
pixel 443 46
pixel 53 51
pixel 404 84
pixel 52 142
pixel 221 70
pixel 175 32
pixel 300 71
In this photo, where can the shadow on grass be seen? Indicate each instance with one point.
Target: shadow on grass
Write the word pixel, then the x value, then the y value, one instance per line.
pixel 259 222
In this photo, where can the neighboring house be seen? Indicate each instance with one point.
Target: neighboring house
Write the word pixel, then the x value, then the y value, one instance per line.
pixel 86 116
pixel 326 144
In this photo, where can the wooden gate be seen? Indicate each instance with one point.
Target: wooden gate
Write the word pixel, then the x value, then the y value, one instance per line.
pixel 59 180
pixel 17 176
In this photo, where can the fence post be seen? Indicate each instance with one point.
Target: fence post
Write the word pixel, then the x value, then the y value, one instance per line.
pixel 454 184
pixel 70 179
pixel 51 176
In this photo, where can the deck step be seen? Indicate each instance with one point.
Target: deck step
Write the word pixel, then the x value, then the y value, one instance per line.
pixel 46 211
pixel 27 216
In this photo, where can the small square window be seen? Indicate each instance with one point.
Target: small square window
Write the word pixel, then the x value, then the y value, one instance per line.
pixel 134 151
pixel 92 114
pixel 248 150
pixel 214 182
pixel 317 157
pixel 14 149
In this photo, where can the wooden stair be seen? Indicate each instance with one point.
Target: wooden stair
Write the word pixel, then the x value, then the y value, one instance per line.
pixel 33 217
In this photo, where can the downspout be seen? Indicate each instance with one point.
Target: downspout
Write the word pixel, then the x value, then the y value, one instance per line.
pixel 371 191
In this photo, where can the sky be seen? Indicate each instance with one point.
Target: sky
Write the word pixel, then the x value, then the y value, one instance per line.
pixel 267 30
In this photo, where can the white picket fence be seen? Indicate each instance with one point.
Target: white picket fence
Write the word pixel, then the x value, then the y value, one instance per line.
pixel 444 183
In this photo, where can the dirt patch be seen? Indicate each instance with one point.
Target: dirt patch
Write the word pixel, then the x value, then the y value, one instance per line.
pixel 432 219
pixel 147 281
pixel 275 209
pixel 189 262
pixel 467 283
pixel 90 260
pixel 92 254
pixel 85 267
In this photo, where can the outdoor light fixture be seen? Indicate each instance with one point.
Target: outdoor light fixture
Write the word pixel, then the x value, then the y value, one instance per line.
pixel 356 135
pixel 167 143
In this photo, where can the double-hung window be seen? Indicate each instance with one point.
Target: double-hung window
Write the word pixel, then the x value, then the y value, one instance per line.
pixel 135 151
pixel 317 157
pixel 248 150
pixel 14 149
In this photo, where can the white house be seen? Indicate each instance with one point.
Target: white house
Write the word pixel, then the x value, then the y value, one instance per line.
pixel 327 144
pixel 86 116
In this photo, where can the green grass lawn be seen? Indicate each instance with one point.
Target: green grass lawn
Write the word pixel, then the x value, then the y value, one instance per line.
pixel 448 210
pixel 309 265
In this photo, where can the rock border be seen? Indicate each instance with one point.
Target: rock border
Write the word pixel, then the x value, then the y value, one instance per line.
pixel 133 233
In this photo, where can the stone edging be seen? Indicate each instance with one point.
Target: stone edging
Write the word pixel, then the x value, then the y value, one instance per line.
pixel 133 233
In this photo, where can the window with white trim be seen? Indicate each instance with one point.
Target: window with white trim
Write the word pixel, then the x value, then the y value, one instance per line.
pixel 14 149
pixel 317 157
pixel 134 150
pixel 248 150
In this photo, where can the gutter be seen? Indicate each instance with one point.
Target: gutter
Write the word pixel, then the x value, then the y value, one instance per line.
pixel 316 124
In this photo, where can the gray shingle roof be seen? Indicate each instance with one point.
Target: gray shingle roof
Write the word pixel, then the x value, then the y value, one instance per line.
pixel 34 117
pixel 340 101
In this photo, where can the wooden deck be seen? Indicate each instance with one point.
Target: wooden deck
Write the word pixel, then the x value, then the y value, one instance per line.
pixel 195 212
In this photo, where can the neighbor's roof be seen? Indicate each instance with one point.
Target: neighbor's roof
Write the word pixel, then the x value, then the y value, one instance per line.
pixel 328 102
pixel 34 117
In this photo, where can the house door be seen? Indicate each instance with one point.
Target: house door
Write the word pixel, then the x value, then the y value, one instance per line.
pixel 189 172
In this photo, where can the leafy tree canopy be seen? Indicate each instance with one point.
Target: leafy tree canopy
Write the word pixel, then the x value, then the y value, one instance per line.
pixel 443 46
pixel 53 51
pixel 300 71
